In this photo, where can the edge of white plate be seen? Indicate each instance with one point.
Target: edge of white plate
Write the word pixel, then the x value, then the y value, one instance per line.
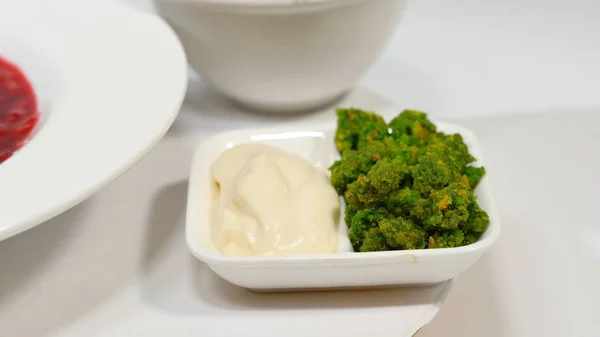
pixel 50 212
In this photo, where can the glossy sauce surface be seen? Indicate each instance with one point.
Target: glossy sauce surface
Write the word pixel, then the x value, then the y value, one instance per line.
pixel 270 202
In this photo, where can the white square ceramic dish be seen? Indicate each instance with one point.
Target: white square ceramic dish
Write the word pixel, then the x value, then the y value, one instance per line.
pixel 341 270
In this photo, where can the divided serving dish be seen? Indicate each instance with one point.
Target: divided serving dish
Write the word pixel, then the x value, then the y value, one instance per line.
pixel 345 269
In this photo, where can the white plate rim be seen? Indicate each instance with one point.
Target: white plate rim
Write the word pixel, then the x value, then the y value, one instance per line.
pixel 12 218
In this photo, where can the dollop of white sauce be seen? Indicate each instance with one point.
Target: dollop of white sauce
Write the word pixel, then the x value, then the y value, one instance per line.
pixel 270 202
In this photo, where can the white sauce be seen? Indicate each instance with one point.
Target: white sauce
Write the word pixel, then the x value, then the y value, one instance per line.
pixel 270 202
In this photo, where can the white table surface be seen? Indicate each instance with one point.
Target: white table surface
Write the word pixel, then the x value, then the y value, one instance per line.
pixel 117 264
pixel 452 58
pixel 542 277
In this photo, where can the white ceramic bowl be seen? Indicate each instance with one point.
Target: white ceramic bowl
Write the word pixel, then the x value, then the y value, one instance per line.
pixel 281 58
pixel 340 270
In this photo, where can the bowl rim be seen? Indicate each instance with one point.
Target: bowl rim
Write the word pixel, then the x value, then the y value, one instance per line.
pixel 270 6
pixel 354 258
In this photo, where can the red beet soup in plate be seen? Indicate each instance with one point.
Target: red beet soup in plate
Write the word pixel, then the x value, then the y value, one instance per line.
pixel 18 109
